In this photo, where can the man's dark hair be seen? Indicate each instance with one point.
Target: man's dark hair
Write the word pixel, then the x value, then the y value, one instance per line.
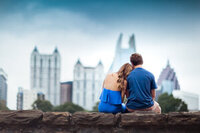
pixel 136 59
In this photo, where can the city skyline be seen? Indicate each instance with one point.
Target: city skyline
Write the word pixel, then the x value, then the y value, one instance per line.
pixel 163 30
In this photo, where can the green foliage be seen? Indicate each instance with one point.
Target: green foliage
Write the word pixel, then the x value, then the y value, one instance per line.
pixel 170 104
pixel 95 108
pixel 46 106
pixel 68 107
pixel 43 105
pixel 3 105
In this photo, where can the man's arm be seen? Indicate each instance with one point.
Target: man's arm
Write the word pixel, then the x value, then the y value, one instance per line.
pixel 127 94
pixel 153 88
pixel 127 89
pixel 153 94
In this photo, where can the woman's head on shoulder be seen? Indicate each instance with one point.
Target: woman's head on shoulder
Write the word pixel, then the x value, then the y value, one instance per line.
pixel 123 73
pixel 125 70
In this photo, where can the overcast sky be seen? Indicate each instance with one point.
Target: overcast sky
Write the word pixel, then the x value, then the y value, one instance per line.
pixel 89 29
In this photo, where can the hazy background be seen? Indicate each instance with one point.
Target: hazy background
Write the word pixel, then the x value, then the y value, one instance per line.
pixel 89 29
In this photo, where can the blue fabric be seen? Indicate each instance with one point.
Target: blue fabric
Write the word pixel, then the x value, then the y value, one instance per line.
pixel 140 83
pixel 111 102
pixel 110 96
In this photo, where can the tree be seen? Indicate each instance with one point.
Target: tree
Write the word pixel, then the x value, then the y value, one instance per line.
pixel 68 107
pixel 43 105
pixel 3 105
pixel 170 104
pixel 95 108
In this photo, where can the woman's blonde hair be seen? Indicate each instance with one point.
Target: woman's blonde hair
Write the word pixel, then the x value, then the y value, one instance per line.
pixel 122 75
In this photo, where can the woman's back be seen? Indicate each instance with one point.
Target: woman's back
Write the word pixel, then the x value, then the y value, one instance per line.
pixel 111 96
pixel 113 91
pixel 110 82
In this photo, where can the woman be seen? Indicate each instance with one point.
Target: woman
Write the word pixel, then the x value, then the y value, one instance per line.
pixel 114 89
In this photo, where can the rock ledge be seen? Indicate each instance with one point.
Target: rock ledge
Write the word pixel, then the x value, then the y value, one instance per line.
pixel 83 122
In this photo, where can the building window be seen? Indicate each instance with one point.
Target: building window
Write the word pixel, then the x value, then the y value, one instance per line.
pixel 77 98
pixel 41 72
pixel 78 71
pixel 49 78
pixel 93 97
pixel 85 80
pixel 34 72
pixel 93 81
pixel 78 85
pixel 84 98
pixel 55 79
pixel 55 72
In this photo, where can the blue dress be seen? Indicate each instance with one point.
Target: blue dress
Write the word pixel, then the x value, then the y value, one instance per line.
pixel 111 102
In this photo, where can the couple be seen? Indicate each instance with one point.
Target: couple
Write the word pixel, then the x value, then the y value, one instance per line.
pixel 132 81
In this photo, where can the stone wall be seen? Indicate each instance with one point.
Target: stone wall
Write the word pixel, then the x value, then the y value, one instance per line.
pixel 83 122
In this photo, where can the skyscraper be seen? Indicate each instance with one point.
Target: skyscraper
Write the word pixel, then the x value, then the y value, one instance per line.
pixel 87 84
pixel 3 86
pixel 122 55
pixel 65 92
pixel 25 98
pixel 169 74
pixel 167 81
pixel 20 99
pixel 45 74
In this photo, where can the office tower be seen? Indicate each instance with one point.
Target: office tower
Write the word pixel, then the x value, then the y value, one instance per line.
pixel 87 84
pixel 3 86
pixel 167 81
pixel 122 55
pixel 20 99
pixel 65 92
pixel 25 98
pixel 45 74
pixel 169 74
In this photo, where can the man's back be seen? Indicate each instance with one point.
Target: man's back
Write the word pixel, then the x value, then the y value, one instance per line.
pixel 140 84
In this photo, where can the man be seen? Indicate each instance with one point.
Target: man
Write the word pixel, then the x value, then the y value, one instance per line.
pixel 141 88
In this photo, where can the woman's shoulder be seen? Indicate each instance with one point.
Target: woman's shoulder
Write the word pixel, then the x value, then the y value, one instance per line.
pixel 111 75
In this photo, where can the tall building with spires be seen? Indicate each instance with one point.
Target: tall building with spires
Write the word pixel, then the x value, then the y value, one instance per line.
pixel 167 81
pixel 45 74
pixel 169 74
pixel 122 55
pixel 87 84
pixel 3 86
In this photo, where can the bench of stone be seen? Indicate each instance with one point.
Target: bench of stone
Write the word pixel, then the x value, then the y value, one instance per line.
pixel 33 121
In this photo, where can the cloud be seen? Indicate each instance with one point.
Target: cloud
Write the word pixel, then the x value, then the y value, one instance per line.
pixel 92 36
pixel 74 34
